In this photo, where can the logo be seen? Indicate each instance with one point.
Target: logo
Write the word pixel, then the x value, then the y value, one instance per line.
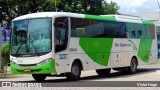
pixel 17 84
pixel 6 84
pixel 62 56
pixel 72 49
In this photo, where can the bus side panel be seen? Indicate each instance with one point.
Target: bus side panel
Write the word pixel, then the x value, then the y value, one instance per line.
pixel 120 55
pixel 122 51
pixel 153 54
pixel 147 51
pixel 92 52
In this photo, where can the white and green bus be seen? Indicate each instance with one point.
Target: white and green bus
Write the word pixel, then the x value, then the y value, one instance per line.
pixel 64 43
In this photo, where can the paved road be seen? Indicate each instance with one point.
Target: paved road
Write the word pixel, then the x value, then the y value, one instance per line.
pixel 144 73
pixel 89 80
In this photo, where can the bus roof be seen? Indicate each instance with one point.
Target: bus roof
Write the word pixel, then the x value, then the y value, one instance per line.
pixel 121 18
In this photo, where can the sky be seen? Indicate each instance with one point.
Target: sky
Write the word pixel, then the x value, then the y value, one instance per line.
pixel 136 6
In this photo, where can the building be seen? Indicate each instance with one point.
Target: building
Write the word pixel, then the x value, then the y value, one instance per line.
pixel 5 32
pixel 150 16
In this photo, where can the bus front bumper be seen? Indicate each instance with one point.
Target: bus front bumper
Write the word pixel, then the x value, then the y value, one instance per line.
pixel 46 68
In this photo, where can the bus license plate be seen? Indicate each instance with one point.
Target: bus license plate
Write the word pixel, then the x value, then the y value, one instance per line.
pixel 27 70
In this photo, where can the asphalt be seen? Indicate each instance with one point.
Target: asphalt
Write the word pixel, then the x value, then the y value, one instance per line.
pixel 9 74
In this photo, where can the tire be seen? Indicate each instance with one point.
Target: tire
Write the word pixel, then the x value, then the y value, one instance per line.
pixel 39 77
pixel 75 72
pixel 103 72
pixel 133 66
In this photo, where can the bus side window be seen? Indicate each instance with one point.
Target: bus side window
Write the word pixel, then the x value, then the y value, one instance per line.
pixel 61 33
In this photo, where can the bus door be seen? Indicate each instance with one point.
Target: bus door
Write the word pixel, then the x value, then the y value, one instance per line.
pixel 61 42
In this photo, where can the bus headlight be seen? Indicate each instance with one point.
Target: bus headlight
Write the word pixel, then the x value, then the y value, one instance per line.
pixel 44 61
pixel 14 63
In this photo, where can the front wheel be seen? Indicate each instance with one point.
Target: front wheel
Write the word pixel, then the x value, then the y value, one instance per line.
pixel 75 72
pixel 39 77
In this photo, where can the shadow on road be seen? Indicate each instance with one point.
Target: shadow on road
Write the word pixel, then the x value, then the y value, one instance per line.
pixel 121 74
pixel 97 77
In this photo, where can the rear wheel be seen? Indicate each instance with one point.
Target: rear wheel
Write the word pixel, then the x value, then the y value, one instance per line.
pixel 103 72
pixel 75 72
pixel 39 77
pixel 133 66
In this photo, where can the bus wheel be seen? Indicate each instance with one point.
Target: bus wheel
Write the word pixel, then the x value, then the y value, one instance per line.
pixel 39 77
pixel 133 66
pixel 75 72
pixel 103 72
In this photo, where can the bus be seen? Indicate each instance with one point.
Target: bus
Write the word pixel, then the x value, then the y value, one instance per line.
pixel 157 26
pixel 63 43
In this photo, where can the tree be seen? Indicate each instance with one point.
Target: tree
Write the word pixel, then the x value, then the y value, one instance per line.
pixel 5 53
pixel 15 8
pixel 93 7
pixel 74 6
pixel 3 9
pixel 81 6
pixel 110 8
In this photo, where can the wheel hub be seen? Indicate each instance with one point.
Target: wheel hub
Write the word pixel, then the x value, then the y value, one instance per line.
pixel 75 70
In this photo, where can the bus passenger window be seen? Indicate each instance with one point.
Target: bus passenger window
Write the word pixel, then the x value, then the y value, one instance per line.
pixel 133 33
pixel 139 33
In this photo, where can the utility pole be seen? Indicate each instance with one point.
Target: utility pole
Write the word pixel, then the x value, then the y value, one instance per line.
pixel 159 9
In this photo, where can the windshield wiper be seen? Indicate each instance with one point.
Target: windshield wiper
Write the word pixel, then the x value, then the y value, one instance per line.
pixel 18 50
pixel 34 47
pixel 35 50
pixel 22 33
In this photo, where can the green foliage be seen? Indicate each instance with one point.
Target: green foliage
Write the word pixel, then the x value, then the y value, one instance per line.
pixel 110 8
pixel 15 8
pixel 74 6
pixel 5 54
pixel 5 51
pixel 93 7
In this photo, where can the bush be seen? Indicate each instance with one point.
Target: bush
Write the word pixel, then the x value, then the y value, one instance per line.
pixel 5 54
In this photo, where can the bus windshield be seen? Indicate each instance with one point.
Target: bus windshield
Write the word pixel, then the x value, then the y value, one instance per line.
pixel 31 37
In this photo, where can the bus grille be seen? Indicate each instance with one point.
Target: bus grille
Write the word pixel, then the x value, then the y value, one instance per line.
pixel 27 65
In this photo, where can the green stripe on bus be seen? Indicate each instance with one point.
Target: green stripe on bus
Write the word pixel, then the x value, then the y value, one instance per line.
pixel 46 68
pixel 147 22
pixel 145 49
pixel 98 49
pixel 100 17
